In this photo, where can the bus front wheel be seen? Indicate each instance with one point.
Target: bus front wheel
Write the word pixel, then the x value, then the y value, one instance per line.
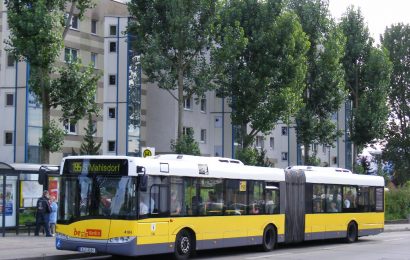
pixel 269 238
pixel 184 245
pixel 351 235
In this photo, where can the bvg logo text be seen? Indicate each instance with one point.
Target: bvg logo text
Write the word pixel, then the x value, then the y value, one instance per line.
pixel 88 233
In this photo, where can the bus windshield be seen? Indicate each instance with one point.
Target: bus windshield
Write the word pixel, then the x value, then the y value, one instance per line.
pixel 97 196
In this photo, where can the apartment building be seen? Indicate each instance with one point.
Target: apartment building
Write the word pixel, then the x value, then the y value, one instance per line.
pixel 134 113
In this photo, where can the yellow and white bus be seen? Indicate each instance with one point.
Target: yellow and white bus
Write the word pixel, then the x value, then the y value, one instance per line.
pixel 179 204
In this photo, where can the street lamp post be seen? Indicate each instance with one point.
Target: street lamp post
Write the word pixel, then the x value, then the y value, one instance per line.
pixel 328 147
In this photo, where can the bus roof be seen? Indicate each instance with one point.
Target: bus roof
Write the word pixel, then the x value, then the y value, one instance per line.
pixel 217 167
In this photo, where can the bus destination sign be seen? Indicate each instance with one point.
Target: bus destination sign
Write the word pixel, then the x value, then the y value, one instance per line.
pixel 96 166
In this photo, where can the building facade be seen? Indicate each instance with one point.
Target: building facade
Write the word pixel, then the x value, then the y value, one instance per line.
pixel 133 113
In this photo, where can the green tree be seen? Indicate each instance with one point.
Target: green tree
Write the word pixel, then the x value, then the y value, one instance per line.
pixel 367 76
pixel 324 91
pixel 395 39
pixel 89 146
pixel 173 37
pixel 259 62
pixel 252 156
pixel 186 145
pixel 37 31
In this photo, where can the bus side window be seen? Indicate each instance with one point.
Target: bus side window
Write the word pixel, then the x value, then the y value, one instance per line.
pixel 318 198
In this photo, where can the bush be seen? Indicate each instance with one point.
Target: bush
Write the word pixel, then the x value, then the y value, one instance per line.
pixel 398 203
pixel 251 156
pixel 186 145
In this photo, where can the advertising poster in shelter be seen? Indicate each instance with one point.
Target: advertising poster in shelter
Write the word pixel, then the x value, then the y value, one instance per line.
pixel 10 205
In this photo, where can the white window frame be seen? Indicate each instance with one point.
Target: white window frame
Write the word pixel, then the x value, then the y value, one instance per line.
pixel 93 22
pixel 68 127
pixel 203 105
pixel 77 21
pixel 259 141
pixel 188 103
pixel 203 136
pixel 9 59
pixel 70 54
pixel 272 142
pixel 116 29
pixel 185 130
pixel 93 58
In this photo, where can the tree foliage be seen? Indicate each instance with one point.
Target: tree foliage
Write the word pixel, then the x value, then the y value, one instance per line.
pixel 252 156
pixel 259 61
pixel 395 39
pixel 324 91
pixel 89 146
pixel 37 31
pixel 367 71
pixel 173 37
pixel 186 144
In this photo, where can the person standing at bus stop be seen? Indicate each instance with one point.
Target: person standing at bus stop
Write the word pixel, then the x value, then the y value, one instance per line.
pixel 43 214
pixel 53 215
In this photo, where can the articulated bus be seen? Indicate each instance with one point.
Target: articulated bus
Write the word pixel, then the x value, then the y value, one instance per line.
pixel 178 204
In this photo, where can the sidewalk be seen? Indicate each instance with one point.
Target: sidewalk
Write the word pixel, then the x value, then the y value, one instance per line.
pixel 23 246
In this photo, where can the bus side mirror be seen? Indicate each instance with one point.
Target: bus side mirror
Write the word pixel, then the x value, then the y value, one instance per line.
pixel 42 175
pixel 143 179
pixel 143 182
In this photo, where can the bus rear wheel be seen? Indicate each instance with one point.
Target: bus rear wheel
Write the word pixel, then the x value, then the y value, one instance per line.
pixel 351 235
pixel 269 238
pixel 184 245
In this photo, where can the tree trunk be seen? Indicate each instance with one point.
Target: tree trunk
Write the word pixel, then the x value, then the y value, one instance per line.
pixel 45 101
pixel 306 157
pixel 180 102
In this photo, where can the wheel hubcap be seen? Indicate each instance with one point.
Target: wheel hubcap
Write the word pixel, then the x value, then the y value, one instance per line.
pixel 184 245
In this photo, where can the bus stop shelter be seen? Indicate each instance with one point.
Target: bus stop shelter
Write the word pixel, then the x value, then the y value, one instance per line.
pixel 20 186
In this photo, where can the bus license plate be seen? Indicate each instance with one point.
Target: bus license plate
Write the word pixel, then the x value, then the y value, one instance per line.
pixel 87 250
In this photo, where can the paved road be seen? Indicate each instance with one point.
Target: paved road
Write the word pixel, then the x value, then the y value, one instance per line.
pixel 30 247
pixel 386 246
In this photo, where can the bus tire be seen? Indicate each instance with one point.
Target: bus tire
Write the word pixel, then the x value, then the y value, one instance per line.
pixel 351 235
pixel 269 238
pixel 184 245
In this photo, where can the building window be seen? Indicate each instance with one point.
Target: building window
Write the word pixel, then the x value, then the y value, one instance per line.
pixel 203 136
pixel 111 146
pixel 187 130
pixel 324 148
pixel 111 112
pixel 112 79
pixel 94 26
pixel 315 148
pixel 10 60
pixel 187 103
pixel 8 138
pixel 272 142
pixel 69 127
pixel 113 47
pixel 203 105
pixel 259 141
pixel 94 59
pixel 9 99
pixel 74 22
pixel 70 54
pixel 113 30
pixel 284 130
pixel 284 156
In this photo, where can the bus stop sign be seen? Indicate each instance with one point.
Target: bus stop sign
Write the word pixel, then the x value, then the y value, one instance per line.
pixel 148 151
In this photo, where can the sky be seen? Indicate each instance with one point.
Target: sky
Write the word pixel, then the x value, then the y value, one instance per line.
pixel 378 14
